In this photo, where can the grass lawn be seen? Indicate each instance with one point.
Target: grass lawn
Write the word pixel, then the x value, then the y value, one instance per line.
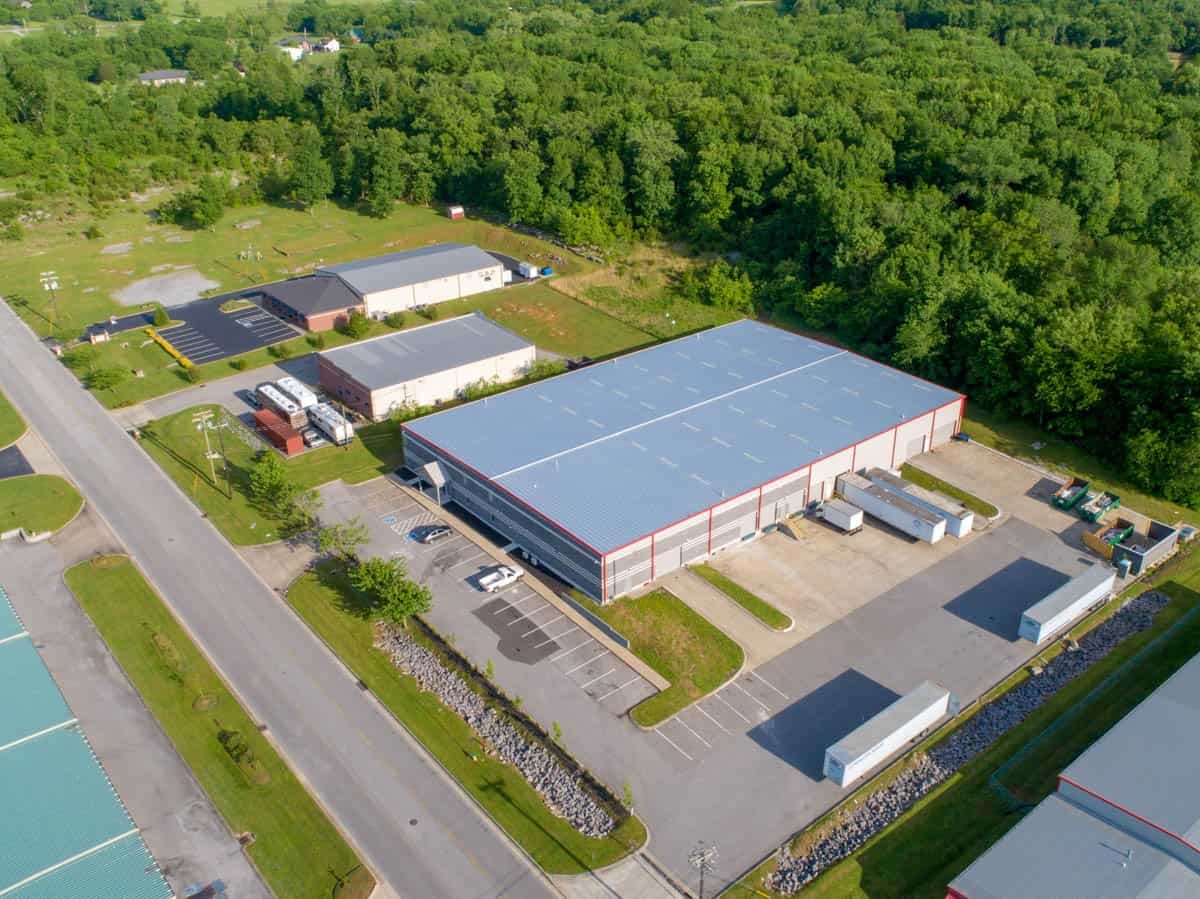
pixel 175 444
pixel 947 830
pixel 335 611
pixel 929 482
pixel 37 502
pixel 1017 438
pixel 681 645
pixel 296 849
pixel 755 605
pixel 12 426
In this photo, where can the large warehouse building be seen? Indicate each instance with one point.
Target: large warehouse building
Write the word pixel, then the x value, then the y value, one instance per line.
pixel 423 366
pixel 1125 821
pixel 399 281
pixel 617 473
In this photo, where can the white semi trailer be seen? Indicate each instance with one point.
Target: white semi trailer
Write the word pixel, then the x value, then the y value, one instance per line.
pixel 901 513
pixel 296 389
pixel 330 422
pixel 274 398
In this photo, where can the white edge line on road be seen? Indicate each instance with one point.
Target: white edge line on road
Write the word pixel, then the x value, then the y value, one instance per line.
pixel 765 707
pixel 717 696
pixel 633 680
pixel 658 731
pixel 567 652
pixel 588 662
pixel 594 679
pixel 692 732
pixel 700 709
pixel 758 676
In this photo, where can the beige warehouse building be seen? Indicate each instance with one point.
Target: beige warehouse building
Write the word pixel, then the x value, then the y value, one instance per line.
pixel 423 366
pixel 399 281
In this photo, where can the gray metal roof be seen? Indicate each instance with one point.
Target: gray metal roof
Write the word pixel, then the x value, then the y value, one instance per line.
pixel 1147 763
pixel 1066 595
pixel 411 267
pixel 163 74
pixel 311 294
pixel 417 352
pixel 620 449
pixel 1059 851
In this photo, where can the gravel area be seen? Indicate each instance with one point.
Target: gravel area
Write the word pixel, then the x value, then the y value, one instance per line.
pixel 875 812
pixel 172 289
pixel 563 791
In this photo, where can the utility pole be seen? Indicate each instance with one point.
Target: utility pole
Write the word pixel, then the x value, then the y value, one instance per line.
pixel 50 284
pixel 201 421
pixel 703 859
pixel 224 456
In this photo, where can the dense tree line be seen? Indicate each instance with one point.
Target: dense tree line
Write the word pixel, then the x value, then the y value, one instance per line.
pixel 1001 196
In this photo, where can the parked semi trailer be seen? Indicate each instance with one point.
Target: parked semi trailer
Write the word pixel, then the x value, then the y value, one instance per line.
pixel 1070 494
pixel 902 514
pixel 1055 613
pixel 329 422
pixel 1097 507
pixel 297 390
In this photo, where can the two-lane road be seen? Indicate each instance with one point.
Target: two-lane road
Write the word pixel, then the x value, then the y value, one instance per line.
pixel 362 767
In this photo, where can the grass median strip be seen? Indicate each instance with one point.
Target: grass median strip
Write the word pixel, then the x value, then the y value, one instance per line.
pixel 681 645
pixel 37 503
pixel 331 607
pixel 947 829
pixel 929 482
pixel 296 849
pixel 755 605
pixel 12 426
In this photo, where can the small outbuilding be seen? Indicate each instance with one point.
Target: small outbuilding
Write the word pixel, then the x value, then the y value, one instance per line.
pixel 456 212
pixel 160 77
pixel 317 302
pixel 423 366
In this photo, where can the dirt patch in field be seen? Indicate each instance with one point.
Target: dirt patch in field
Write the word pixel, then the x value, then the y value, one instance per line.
pixel 116 249
pixel 173 289
pixel 178 238
pixel 248 224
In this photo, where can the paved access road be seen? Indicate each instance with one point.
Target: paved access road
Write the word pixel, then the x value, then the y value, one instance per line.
pixel 358 762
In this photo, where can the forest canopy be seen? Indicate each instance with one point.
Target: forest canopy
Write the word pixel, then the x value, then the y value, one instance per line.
pixel 1001 196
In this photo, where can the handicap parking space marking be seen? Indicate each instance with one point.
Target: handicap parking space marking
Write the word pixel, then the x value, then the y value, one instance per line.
pixel 658 731
pixel 759 677
pixel 567 652
pixel 598 655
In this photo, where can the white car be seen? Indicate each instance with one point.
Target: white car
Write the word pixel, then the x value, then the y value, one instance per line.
pixel 500 577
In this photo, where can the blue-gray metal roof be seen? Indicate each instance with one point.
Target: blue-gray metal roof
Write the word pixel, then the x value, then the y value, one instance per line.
pixel 417 352
pixel 623 448
pixel 29 699
pixel 1059 851
pixel 1147 762
pixel 401 269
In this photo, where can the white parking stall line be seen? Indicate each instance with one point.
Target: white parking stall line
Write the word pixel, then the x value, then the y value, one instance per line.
pixel 474 558
pixel 717 696
pixel 540 608
pixel 598 655
pixel 513 605
pixel 759 677
pixel 679 720
pixel 615 690
pixel 594 679
pixel 699 708
pixel 765 707
pixel 573 627
pixel 538 627
pixel 674 744
pixel 567 652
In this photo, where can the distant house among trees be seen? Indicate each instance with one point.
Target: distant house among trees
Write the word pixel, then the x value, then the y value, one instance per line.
pixel 295 54
pixel 159 77
pixel 332 45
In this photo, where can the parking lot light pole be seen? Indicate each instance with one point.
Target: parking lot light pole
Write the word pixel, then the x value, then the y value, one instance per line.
pixel 703 859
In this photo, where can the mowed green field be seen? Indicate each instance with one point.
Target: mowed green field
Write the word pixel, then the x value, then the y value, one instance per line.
pixel 942 834
pixel 12 425
pixel 296 849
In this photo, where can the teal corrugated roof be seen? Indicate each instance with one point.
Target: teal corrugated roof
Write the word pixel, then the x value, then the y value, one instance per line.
pixel 29 698
pixel 124 870
pixel 10 625
pixel 67 806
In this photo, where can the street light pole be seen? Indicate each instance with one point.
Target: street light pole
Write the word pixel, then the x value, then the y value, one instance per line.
pixel 50 284
pixel 703 859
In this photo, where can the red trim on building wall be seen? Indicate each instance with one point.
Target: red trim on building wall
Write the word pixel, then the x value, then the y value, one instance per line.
pixel 854 456
pixel 758 517
pixel 651 557
pixel 895 437
pixel 710 530
pixel 1131 814
pixel 603 580
pixel 952 893
pixel 932 426
pixel 962 414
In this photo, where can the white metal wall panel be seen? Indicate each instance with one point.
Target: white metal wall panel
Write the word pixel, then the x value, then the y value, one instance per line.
pixel 733 520
pixel 912 439
pixel 783 497
pixel 479 281
pixel 627 568
pixel 382 302
pixel 945 423
pixel 436 291
pixel 445 385
pixel 825 473
pixel 876 452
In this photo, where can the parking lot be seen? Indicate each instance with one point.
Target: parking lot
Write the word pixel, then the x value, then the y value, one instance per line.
pixel 208 334
pixel 515 624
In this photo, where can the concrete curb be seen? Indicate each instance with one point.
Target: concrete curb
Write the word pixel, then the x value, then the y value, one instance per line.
pixel 648 673
pixel 733 602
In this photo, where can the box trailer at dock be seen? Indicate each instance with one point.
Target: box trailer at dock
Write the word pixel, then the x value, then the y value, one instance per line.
pixel 898 511
pixel 1057 611
pixel 872 743
pixel 959 519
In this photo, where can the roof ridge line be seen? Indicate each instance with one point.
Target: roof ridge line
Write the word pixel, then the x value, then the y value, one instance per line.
pixel 685 409
pixel 38 875
pixel 41 733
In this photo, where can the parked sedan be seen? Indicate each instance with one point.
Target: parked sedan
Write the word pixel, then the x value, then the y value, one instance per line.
pixel 435 533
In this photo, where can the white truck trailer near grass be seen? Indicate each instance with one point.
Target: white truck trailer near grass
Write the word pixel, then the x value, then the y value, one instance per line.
pixel 330 422
pixel 1044 619
pixel 296 389
pixel 901 513
pixel 959 519
pixel 869 745
pixel 842 515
